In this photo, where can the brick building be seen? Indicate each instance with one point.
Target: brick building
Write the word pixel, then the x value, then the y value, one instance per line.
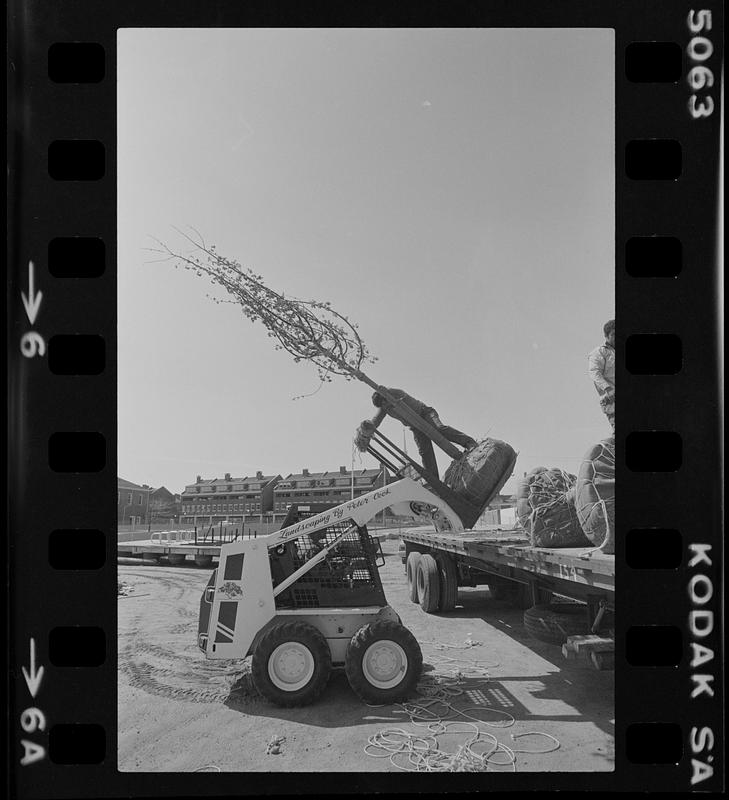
pixel 132 502
pixel 228 499
pixel 164 506
pixel 324 487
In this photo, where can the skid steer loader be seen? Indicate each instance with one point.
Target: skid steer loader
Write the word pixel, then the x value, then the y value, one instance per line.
pixel 308 598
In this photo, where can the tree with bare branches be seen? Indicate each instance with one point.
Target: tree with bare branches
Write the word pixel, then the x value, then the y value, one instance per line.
pixel 309 330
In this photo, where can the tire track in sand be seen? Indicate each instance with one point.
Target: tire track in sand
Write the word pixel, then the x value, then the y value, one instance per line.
pixel 158 650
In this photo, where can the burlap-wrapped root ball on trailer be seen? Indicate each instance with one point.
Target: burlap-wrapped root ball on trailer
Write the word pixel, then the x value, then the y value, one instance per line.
pixel 545 508
pixel 555 524
pixel 481 472
pixel 538 487
pixel 595 495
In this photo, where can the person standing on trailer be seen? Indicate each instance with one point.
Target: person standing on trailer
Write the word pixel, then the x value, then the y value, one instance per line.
pixel 429 414
pixel 601 367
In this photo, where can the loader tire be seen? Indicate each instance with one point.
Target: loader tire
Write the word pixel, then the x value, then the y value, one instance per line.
pixel 383 663
pixel 412 573
pixel 553 623
pixel 448 574
pixel 428 581
pixel 291 664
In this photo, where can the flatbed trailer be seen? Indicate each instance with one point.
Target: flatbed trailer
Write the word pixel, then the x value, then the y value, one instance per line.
pixel 581 573
pixel 526 576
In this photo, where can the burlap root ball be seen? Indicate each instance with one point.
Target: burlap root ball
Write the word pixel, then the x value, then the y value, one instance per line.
pixel 595 495
pixel 481 472
pixel 555 524
pixel 545 508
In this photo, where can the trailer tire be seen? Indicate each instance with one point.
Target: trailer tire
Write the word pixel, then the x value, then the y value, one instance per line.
pixel 383 662
pixel 553 623
pixel 448 573
pixel 293 676
pixel 411 569
pixel 428 582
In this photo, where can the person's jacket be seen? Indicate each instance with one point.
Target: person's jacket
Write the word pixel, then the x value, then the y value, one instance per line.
pixel 416 405
pixel 601 366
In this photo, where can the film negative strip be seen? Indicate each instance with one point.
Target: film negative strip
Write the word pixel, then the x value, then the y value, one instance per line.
pixel 537 140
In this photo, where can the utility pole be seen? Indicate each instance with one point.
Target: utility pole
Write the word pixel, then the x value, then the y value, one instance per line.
pixel 351 478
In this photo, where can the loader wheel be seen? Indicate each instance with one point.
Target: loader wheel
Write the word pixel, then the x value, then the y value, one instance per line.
pixel 428 581
pixel 555 622
pixel 383 662
pixel 291 664
pixel 448 573
pixel 412 573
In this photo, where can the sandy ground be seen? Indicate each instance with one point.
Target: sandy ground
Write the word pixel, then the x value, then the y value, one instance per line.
pixel 180 712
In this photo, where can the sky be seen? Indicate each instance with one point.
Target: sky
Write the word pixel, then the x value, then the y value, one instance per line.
pixel 450 190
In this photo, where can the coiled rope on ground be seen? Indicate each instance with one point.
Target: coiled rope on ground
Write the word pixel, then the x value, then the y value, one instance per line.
pixel 436 717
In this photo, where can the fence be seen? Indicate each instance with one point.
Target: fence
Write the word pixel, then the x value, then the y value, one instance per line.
pixel 222 532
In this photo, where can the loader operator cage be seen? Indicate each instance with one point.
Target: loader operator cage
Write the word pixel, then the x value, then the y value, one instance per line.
pixel 348 576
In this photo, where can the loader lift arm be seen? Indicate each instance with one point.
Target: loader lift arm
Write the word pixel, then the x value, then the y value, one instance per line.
pixel 400 463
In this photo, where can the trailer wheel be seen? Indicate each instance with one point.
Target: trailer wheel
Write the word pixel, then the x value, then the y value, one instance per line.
pixel 411 570
pixel 555 622
pixel 448 574
pixel 383 662
pixel 291 664
pixel 428 581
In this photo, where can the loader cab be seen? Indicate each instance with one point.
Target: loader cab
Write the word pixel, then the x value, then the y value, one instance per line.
pixel 349 578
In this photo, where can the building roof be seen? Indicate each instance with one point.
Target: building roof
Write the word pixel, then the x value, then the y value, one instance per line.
pixel 330 475
pixel 163 490
pixel 232 481
pixel 124 484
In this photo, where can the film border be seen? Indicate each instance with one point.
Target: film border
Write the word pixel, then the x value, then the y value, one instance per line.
pixel 42 404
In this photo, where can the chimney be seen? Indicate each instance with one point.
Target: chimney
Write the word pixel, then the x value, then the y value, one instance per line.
pixel 259 474
pixel 227 476
pixel 305 472
pixel 198 479
pixel 343 470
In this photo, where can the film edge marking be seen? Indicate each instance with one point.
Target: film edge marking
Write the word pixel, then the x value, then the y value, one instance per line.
pixel 701 739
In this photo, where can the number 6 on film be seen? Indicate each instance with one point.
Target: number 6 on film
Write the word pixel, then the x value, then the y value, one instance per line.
pixel 32 344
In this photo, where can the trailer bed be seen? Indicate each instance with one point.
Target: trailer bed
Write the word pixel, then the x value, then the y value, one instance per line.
pixel 579 572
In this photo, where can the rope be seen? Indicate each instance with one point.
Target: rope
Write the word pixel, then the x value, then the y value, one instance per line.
pixel 435 714
pixel 595 510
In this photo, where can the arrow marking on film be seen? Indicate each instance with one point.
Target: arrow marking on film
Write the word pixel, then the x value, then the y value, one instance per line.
pixel 33 678
pixel 32 301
